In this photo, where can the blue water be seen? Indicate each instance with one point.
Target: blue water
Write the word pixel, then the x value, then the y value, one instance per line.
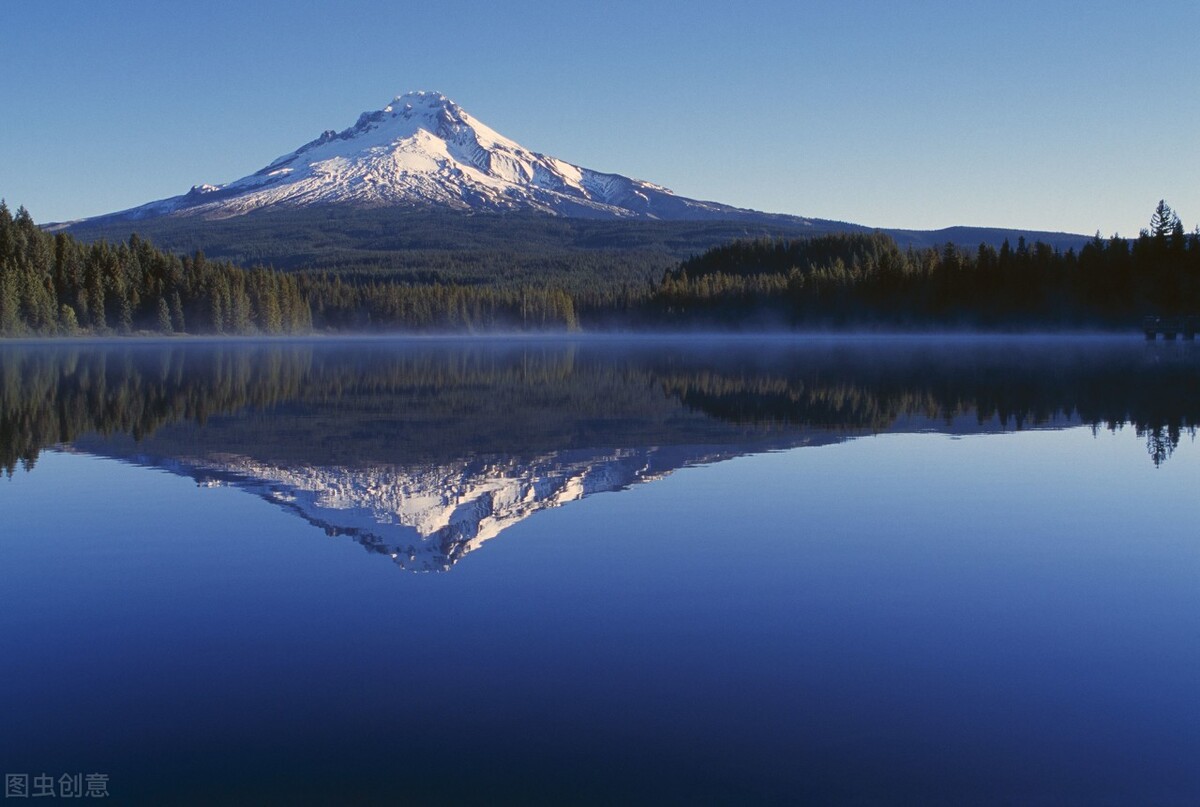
pixel 933 615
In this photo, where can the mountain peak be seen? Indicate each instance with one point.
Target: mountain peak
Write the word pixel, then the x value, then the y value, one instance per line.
pixel 424 150
pixel 421 104
pixel 429 98
pixel 420 109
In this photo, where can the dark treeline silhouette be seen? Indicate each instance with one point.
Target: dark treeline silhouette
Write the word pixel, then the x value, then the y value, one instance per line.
pixel 383 306
pixel 354 403
pixel 855 280
pixel 54 284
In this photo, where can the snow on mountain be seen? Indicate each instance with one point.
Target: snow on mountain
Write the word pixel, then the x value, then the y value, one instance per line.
pixel 428 517
pixel 424 150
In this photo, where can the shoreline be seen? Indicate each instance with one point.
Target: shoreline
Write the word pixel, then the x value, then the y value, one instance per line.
pixel 601 336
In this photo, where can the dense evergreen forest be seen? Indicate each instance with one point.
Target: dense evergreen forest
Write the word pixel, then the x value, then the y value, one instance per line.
pixel 867 280
pixel 55 284
pixel 472 248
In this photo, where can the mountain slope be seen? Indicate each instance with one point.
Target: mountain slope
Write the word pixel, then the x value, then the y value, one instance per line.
pixel 422 179
pixel 422 150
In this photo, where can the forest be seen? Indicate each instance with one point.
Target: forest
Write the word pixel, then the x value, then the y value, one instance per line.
pixel 55 284
pixel 868 281
pixel 511 248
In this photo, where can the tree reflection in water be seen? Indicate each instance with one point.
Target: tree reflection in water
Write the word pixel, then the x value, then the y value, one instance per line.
pixel 372 401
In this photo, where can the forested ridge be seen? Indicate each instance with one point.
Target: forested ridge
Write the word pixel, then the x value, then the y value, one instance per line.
pixel 471 248
pixel 54 284
pixel 865 280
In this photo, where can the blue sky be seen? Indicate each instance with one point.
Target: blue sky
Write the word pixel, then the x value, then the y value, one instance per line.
pixel 1072 116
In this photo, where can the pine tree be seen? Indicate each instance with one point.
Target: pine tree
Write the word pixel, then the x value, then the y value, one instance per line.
pixel 10 300
pixel 164 316
pixel 177 322
pixel 1163 220
pixel 67 321
pixel 217 310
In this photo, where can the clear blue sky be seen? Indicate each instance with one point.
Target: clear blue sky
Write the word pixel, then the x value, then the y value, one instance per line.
pixel 1070 116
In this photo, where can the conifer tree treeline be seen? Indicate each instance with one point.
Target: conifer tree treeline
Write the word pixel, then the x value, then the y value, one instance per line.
pixel 383 305
pixel 54 284
pixel 850 279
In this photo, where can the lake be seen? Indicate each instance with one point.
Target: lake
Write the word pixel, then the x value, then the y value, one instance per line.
pixel 856 570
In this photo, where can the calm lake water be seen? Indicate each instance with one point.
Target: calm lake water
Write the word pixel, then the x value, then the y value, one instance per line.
pixel 860 571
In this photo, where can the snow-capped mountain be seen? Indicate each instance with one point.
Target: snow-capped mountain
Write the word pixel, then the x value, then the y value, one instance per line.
pixel 424 150
pixel 424 153
pixel 427 517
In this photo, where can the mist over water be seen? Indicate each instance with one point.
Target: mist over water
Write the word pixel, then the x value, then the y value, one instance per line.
pixel 870 569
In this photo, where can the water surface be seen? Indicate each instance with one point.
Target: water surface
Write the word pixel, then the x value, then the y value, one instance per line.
pixel 835 570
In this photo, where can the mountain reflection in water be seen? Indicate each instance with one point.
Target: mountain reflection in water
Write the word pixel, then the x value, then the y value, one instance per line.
pixel 423 451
